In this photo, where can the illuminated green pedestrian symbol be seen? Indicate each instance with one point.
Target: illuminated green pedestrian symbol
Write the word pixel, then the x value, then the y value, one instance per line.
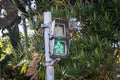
pixel 59 48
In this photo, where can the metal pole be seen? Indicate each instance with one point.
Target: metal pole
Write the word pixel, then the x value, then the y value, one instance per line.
pixel 49 68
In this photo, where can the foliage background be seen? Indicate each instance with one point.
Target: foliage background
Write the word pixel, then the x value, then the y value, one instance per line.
pixel 94 51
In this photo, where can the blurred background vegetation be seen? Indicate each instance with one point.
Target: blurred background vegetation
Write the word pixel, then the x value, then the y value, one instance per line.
pixel 94 45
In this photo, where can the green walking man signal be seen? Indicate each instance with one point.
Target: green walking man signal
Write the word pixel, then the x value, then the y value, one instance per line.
pixel 59 48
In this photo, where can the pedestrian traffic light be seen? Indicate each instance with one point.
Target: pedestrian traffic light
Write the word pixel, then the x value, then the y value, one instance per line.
pixel 59 38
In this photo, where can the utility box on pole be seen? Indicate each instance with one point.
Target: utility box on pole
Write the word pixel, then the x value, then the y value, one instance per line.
pixel 59 38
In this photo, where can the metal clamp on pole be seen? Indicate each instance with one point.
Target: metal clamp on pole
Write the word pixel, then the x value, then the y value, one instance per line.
pixel 51 63
pixel 54 62
pixel 52 37
pixel 46 25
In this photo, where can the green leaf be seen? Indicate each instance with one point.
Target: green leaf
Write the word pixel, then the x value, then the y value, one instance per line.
pixel 32 24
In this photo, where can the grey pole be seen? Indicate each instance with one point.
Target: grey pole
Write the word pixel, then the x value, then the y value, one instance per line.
pixel 49 67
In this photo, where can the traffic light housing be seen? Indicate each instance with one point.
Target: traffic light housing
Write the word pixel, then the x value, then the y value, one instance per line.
pixel 59 38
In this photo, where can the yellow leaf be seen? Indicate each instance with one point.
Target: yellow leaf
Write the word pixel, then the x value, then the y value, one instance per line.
pixel 8 49
pixel 1 44
pixel 24 68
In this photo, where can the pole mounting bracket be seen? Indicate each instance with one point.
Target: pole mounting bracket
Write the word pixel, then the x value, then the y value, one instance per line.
pixel 46 25
pixel 51 63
